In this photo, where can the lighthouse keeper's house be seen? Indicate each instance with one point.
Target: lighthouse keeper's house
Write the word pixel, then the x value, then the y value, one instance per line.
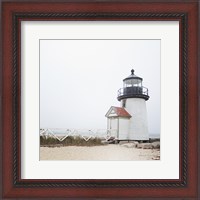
pixel 118 122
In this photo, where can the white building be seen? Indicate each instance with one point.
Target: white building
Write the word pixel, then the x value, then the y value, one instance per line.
pixel 130 120
pixel 118 121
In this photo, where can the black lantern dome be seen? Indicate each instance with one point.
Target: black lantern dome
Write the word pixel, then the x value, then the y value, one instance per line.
pixel 133 88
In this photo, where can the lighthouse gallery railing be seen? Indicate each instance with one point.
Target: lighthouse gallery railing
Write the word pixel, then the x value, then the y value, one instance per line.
pixel 133 91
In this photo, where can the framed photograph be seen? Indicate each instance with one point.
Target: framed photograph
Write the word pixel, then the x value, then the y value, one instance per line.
pixel 100 100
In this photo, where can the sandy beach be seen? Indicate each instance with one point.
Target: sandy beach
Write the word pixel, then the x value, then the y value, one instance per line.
pixel 104 152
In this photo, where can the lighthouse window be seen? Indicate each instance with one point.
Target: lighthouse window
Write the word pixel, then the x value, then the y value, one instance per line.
pixel 124 103
pixel 133 83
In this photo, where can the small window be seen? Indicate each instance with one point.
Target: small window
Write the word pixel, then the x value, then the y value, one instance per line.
pixel 124 103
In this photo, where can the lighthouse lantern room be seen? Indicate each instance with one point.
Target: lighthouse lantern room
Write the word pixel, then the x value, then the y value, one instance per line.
pixel 133 97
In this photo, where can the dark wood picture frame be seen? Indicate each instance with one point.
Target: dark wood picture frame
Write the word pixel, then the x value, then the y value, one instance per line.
pixel 187 15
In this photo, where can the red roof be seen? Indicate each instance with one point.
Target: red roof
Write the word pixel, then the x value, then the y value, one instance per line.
pixel 121 112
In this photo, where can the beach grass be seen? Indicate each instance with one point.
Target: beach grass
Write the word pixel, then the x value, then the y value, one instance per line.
pixel 69 141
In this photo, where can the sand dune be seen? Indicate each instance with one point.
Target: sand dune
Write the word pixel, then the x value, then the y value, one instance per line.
pixel 105 152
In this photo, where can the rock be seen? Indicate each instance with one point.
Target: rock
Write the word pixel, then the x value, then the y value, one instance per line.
pixel 134 142
pixel 129 145
pixel 156 145
pixel 139 146
pixel 128 142
pixel 145 146
pixel 151 140
pixel 104 142
pixel 111 140
pixel 122 142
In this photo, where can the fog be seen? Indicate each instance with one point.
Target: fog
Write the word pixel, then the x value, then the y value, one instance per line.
pixel 79 80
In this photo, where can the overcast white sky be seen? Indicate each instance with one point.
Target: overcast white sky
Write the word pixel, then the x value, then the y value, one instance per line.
pixel 79 80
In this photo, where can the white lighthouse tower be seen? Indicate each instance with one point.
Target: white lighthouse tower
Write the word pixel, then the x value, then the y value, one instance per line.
pixel 131 117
